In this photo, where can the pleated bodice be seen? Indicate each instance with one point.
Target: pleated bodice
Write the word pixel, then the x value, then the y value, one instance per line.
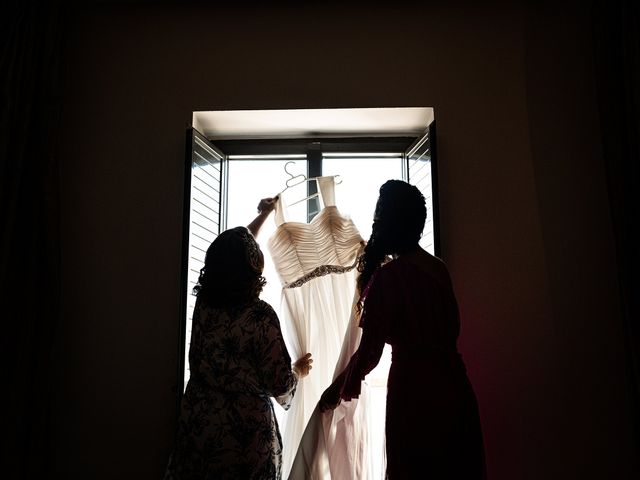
pixel 330 243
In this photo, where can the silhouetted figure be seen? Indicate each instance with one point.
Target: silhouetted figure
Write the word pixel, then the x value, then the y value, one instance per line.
pixel 407 300
pixel 238 360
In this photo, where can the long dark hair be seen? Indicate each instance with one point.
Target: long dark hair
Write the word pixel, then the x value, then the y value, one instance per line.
pixel 397 227
pixel 232 271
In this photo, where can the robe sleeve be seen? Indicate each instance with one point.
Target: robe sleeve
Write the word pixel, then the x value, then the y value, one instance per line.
pixel 274 361
pixel 374 323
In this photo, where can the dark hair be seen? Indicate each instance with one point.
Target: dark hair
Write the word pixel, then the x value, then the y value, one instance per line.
pixel 397 227
pixel 232 271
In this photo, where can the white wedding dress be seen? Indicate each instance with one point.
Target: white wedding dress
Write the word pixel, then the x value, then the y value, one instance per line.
pixel 316 265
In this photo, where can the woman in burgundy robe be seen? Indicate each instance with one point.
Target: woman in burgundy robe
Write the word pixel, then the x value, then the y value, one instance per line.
pixel 407 300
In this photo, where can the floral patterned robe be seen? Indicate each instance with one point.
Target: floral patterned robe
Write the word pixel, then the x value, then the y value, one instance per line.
pixel 227 427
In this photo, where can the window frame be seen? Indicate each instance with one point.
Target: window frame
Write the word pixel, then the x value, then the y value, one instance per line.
pixel 313 148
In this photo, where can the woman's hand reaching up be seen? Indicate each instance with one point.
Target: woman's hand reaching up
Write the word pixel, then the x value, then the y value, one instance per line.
pixel 265 207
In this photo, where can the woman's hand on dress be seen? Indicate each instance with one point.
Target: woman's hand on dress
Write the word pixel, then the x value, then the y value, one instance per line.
pixel 330 398
pixel 302 366
pixel 266 205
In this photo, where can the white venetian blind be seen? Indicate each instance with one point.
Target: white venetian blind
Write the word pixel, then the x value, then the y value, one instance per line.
pixel 421 173
pixel 205 219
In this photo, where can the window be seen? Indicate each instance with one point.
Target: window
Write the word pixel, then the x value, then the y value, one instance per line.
pixel 224 180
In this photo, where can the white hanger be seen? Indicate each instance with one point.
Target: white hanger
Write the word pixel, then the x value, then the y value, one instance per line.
pixel 302 178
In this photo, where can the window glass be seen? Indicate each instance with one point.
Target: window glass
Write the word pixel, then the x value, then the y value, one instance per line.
pixel 361 178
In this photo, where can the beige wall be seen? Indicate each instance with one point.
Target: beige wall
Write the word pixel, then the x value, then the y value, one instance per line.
pixel 524 215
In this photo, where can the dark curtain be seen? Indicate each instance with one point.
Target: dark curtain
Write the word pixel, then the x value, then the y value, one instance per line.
pixel 29 255
pixel 616 32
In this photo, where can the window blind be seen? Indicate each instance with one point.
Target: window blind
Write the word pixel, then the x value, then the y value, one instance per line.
pixel 204 210
pixel 421 173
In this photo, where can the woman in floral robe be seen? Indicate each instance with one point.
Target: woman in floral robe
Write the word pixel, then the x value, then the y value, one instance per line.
pixel 238 361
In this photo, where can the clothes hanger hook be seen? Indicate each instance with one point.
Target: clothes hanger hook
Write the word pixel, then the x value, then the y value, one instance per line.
pixel 287 171
pixel 292 176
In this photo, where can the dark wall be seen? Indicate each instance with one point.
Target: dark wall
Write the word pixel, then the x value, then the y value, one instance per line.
pixel 525 226
pixel 583 353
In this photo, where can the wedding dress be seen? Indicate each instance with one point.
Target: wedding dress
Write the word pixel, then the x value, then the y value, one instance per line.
pixel 316 265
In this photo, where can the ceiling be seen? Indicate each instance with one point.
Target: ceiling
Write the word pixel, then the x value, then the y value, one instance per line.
pixel 305 123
